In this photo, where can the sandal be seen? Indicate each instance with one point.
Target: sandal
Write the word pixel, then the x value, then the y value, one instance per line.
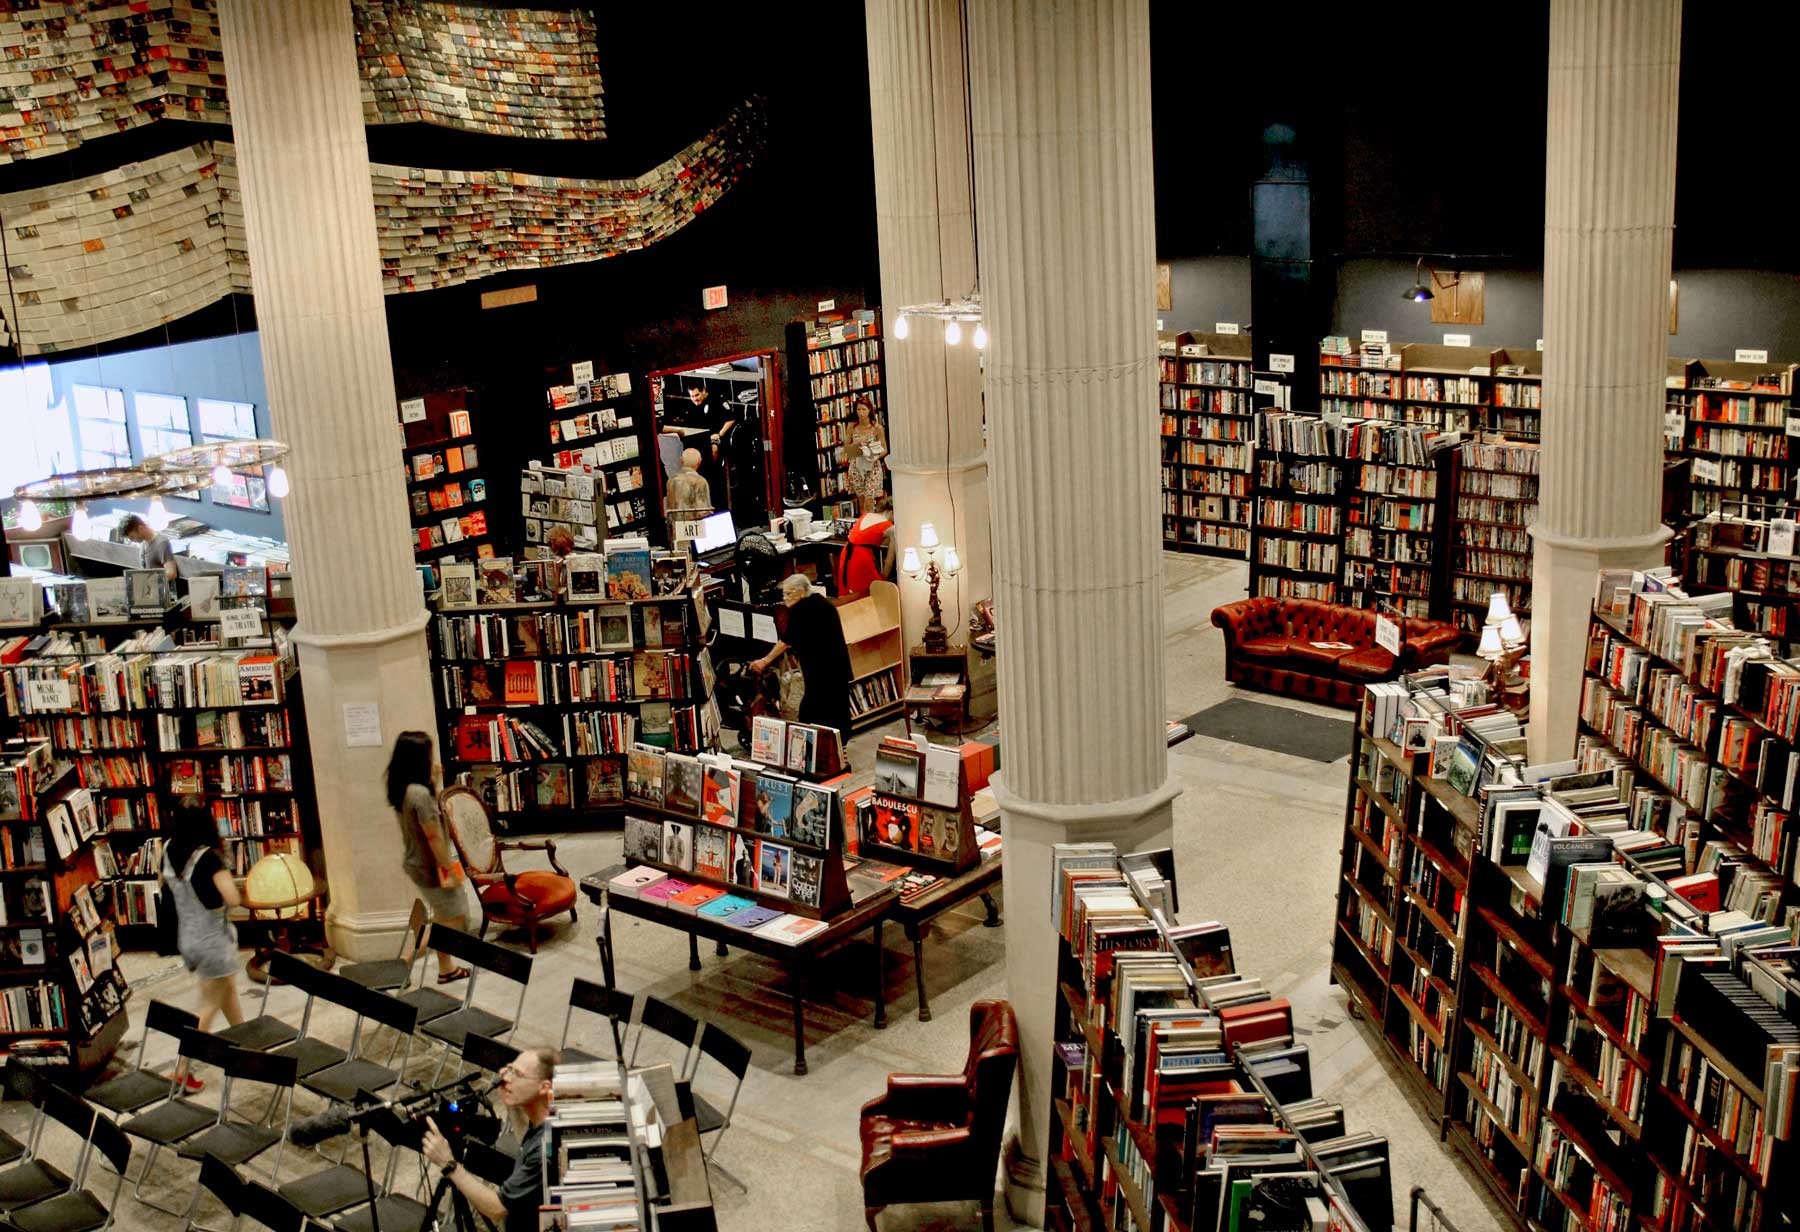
pixel 453 975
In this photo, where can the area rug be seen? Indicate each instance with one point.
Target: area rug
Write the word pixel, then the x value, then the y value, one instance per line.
pixel 1262 726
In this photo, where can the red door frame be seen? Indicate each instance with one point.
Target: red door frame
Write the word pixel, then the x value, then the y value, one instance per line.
pixel 774 460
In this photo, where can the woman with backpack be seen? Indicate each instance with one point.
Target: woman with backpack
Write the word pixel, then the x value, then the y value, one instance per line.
pixel 203 892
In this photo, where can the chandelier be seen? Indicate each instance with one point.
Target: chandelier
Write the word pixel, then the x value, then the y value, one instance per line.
pixel 954 313
pixel 180 471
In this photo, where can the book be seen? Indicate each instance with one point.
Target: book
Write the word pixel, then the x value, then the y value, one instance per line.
pixel 719 792
pixel 805 881
pixel 146 590
pixel 712 853
pixel 725 906
pixel 774 804
pixel 681 784
pixel 553 786
pixel 643 839
pixel 632 882
pixel 108 601
pixel 678 845
pixel 791 929
pixel 628 571
pixel 752 918
pixel 767 740
pixel 586 581
pixel 695 897
pixel 813 810
pixel 898 769
pixel 644 774
pixel 774 868
pixel 603 782
pixel 802 743
pixel 743 860
pixel 943 776
pixel 665 889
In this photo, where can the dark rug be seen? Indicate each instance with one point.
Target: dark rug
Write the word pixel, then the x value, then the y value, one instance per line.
pixel 1262 726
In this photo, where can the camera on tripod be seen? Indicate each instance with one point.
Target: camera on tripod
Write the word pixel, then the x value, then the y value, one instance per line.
pixel 459 1109
pixel 458 1115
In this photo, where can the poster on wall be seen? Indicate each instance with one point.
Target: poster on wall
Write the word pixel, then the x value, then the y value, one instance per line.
pixel 245 491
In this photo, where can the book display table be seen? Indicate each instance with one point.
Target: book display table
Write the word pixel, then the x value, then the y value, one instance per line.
pixel 915 918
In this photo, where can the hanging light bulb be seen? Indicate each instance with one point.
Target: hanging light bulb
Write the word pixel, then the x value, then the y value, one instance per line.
pixel 158 515
pixel 278 484
pixel 221 476
pixel 29 517
pixel 952 332
pixel 901 328
pixel 81 525
pixel 981 337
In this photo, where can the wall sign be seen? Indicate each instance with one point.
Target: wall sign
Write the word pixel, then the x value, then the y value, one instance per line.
pixel 826 305
pixel 1374 335
pixel 712 297
pixel 362 725
pixel 1387 635
pixel 240 622
pixel 1457 340
pixel 1752 357
pixel 582 372
pixel 1280 363
pixel 412 410
pixel 1225 327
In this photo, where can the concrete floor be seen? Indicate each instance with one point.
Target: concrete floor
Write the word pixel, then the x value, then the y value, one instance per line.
pixel 1265 863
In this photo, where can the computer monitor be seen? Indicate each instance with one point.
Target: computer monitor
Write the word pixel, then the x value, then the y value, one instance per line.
pixel 716 533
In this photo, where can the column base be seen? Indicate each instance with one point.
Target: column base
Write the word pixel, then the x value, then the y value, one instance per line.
pixel 366 936
pixel 1563 575
pixel 1023 1183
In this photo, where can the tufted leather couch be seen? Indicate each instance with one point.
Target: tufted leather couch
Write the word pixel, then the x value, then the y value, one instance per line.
pixel 1268 646
pixel 936 1138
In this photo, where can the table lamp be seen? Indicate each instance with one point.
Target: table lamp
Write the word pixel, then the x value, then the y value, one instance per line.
pixel 937 637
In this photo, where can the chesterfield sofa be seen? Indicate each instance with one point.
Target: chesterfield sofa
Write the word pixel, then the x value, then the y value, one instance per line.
pixel 1269 645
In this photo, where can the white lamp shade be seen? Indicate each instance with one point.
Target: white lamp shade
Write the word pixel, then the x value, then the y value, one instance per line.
pixel 1490 647
pixel 1498 609
pixel 952 562
pixel 909 561
pixel 278 482
pixel 928 536
pixel 29 517
pixel 1510 631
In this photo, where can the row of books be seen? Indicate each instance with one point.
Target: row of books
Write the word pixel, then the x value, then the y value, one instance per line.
pixel 591 1133
pixel 723 791
pixel 606 628
pixel 142 681
pixel 720 859
pixel 645 675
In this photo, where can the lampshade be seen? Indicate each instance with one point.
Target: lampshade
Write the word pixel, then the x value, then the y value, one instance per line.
pixel 1418 293
pixel 1498 609
pixel 1510 631
pixel 952 333
pixel 952 562
pixel 928 537
pixel 1490 647
pixel 909 562
pixel 279 885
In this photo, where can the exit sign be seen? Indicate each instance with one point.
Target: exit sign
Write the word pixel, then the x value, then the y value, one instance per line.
pixel 713 297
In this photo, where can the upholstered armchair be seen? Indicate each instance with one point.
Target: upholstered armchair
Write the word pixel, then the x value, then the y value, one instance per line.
pixel 511 899
pixel 936 1138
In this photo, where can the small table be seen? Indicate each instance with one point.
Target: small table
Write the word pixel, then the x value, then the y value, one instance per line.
pixel 915 917
pixel 797 959
pixel 922 662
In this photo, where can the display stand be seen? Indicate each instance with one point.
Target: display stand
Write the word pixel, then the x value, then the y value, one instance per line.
pixel 596 429
pixel 447 497
pixel 898 824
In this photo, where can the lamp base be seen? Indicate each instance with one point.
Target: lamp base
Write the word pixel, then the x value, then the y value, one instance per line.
pixel 937 637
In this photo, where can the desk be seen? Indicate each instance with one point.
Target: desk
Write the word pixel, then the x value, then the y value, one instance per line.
pixel 797 959
pixel 915 917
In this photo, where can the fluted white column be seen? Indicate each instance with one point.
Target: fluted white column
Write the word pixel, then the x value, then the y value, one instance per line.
pixel 920 123
pixel 1609 218
pixel 1064 210
pixel 304 165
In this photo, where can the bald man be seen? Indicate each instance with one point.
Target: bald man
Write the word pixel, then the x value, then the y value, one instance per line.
pixel 688 493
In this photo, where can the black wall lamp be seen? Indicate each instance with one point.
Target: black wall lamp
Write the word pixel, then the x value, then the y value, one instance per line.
pixel 1419 292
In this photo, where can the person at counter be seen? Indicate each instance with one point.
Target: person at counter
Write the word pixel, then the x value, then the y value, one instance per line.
pixel 158 552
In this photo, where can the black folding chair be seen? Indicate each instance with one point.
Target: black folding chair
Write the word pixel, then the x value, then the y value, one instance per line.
pixel 19 1082
pixel 263 1032
pixel 677 1025
pixel 488 1055
pixel 356 1073
pixel 732 1055
pixel 32 1179
pixel 483 957
pixel 237 1142
pixel 177 1118
pixel 221 1180
pixel 76 1209
pixel 141 1086
pixel 310 1053
pixel 398 1213
pixel 387 974
pixel 272 1211
pixel 598 1000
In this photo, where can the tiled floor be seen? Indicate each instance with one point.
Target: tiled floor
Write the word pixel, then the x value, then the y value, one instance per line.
pixel 1265 863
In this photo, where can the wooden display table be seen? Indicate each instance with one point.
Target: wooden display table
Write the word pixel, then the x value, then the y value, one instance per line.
pixel 915 918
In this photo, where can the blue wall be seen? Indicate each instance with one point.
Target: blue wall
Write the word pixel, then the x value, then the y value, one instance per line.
pixel 228 368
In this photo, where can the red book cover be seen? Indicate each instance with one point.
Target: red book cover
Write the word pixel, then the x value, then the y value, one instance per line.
pixel 472 740
pixel 521 683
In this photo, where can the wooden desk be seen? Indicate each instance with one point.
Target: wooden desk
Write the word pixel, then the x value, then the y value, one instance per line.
pixel 915 917
pixel 797 959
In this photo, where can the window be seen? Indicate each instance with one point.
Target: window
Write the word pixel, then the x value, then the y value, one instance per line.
pixel 100 424
pixel 234 421
pixel 162 422
pixel 40 431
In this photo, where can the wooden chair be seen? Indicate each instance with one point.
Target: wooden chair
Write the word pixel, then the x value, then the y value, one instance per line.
pixel 513 900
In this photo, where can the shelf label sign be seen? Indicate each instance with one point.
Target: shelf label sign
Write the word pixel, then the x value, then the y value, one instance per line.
pixel 826 305
pixel 1374 335
pixel 582 372
pixel 1793 425
pixel 240 622
pixel 712 298
pixel 1271 388
pixel 412 410
pixel 1387 635
pixel 1280 363
pixel 48 694
pixel 1159 322
pixel 1675 425
pixel 1540 344
pixel 1752 357
pixel 1457 340
pixel 1225 327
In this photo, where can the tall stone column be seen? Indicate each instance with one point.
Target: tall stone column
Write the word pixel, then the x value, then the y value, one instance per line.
pixel 1063 203
pixel 304 166
pixel 1609 218
pixel 919 116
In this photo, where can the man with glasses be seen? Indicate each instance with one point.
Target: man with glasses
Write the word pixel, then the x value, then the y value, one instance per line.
pixel 525 1090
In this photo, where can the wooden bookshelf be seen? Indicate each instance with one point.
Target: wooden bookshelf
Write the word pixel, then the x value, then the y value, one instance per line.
pixel 1516 406
pixel 1447 387
pixel 1302 485
pixel 877 653
pixel 1397 534
pixel 1734 430
pixel 1208 428
pixel 1496 503
pixel 595 428
pixel 446 494
pixel 835 358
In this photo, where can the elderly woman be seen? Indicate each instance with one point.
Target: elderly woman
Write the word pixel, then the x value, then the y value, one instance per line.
pixel 815 636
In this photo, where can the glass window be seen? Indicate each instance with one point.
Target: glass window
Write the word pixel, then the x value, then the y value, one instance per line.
pixel 100 423
pixel 40 431
pixel 226 421
pixel 162 421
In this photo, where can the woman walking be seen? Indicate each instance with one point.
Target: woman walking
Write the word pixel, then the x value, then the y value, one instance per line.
pixel 194 871
pixel 430 862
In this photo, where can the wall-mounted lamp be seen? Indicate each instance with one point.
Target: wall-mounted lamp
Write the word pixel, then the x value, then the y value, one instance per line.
pixel 1419 292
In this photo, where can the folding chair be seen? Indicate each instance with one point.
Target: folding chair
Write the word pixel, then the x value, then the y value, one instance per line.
pixel 134 1089
pixel 263 1032
pixel 387 974
pixel 272 1211
pixel 677 1025
pixel 482 956
pixel 31 1179
pixel 356 1073
pixel 734 1057
pixel 19 1082
pixel 607 1004
pixel 311 1054
pixel 76 1209
pixel 398 1213
pixel 238 1142
pixel 221 1180
pixel 177 1118
pixel 430 1002
pixel 488 1055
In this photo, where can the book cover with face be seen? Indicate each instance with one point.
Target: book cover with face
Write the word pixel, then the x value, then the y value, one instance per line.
pixel 774 805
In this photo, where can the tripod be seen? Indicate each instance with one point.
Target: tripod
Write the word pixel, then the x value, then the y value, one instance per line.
pixel 462 1216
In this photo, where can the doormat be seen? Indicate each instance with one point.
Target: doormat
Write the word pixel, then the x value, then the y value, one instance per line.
pixel 1262 726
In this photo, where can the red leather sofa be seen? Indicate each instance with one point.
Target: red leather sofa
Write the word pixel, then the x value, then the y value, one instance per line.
pixel 1269 646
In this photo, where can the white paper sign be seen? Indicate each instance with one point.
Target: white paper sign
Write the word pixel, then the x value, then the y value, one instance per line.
pixel 1781 536
pixel 1706 470
pixel 1225 327
pixel 1752 357
pixel 412 410
pixel 48 694
pixel 762 628
pixel 1333 419
pixel 1540 344
pixel 1456 340
pixel 1793 425
pixel 583 371
pixel 731 622
pixel 240 622
pixel 826 305
pixel 1387 635
pixel 1159 322
pixel 1280 363
pixel 362 725
pixel 1675 424
pixel 1272 388
pixel 1374 335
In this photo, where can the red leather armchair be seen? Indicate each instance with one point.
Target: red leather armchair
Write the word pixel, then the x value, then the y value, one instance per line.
pixel 936 1137
pixel 1269 645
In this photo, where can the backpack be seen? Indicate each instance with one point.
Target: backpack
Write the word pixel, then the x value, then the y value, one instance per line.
pixel 167 942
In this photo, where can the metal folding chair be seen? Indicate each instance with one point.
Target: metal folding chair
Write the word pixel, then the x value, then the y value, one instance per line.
pixel 76 1209
pixel 608 1004
pixel 142 1086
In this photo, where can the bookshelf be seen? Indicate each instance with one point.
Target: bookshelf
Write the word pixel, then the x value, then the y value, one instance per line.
pixel 840 356
pixel 1448 387
pixel 877 653
pixel 1362 382
pixel 1302 480
pixel 594 429
pixel 1396 538
pixel 1516 407
pixel 62 999
pixel 1734 430
pixel 539 704
pixel 573 499
pixel 1496 503
pixel 1730 551
pixel 447 497
pixel 1208 427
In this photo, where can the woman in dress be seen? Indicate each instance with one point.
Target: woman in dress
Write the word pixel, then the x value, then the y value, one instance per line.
pixel 864 451
pixel 867 554
pixel 430 862
pixel 194 871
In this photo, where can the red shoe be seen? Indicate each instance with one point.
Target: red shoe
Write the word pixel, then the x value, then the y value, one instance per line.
pixel 192 1084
